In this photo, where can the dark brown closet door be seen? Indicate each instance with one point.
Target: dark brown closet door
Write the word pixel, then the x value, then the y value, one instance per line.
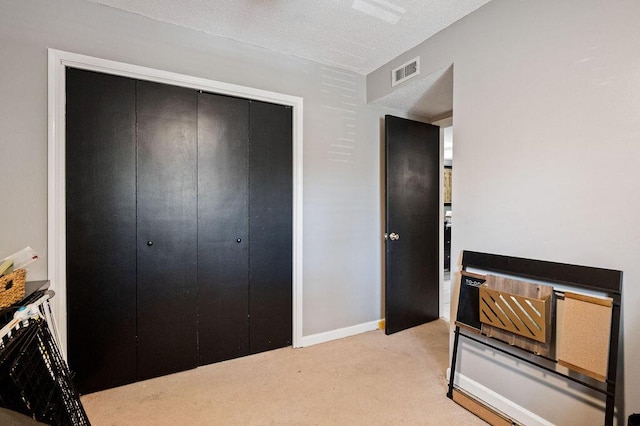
pixel 166 229
pixel 179 228
pixel 101 229
pixel 223 228
pixel 270 226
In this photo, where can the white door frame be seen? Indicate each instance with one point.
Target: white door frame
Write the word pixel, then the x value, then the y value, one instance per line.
pixel 445 122
pixel 56 246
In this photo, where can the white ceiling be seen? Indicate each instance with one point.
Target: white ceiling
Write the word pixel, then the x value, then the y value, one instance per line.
pixel 356 35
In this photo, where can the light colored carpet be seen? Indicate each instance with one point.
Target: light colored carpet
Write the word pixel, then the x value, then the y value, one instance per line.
pixel 368 379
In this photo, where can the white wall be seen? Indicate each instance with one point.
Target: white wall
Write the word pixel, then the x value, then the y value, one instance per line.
pixel 547 146
pixel 341 275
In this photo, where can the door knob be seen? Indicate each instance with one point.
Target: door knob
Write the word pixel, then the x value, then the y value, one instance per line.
pixel 394 237
pixel 149 243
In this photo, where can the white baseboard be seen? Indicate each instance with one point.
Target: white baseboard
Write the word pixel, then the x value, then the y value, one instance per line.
pixel 497 401
pixel 327 336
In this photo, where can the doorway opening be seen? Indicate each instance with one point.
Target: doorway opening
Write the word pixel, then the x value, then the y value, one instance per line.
pixel 446 208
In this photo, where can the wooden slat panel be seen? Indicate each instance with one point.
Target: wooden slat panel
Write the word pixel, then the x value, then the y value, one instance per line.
pixel 524 290
pixel 512 318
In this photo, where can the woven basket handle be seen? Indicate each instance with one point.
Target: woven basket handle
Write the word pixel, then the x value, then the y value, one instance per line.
pixel 8 284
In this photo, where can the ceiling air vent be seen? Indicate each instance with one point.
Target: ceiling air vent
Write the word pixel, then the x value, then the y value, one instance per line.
pixel 405 71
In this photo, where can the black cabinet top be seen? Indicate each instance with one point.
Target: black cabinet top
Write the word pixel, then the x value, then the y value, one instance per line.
pixel 30 287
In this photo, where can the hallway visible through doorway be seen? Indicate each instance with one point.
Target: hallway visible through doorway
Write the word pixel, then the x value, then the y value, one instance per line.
pixel 446 297
pixel 447 142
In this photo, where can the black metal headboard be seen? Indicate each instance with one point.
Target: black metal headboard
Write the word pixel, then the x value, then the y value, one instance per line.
pixel 607 280
pixel 585 277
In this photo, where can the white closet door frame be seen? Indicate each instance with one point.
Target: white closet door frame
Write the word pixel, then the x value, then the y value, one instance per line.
pixel 56 246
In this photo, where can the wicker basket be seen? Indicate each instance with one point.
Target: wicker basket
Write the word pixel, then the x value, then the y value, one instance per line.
pixel 12 287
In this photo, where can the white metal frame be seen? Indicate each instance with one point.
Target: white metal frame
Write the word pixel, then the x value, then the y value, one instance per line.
pixel 39 308
pixel 58 61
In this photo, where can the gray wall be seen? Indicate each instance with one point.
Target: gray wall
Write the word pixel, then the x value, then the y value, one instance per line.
pixel 342 281
pixel 547 138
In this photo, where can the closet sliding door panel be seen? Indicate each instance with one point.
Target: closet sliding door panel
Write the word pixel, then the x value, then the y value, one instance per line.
pixel 223 237
pixel 166 229
pixel 100 226
pixel 270 201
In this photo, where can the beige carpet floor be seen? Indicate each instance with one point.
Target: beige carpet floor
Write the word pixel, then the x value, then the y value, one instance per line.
pixel 368 379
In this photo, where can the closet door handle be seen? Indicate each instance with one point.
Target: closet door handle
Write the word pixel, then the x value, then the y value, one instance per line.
pixel 149 243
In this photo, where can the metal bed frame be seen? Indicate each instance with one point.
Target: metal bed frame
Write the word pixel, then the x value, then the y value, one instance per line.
pixel 606 281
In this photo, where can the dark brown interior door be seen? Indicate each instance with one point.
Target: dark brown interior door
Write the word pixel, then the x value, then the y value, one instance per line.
pixel 412 223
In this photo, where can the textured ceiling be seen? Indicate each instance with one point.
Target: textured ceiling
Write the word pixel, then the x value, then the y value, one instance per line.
pixel 356 35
